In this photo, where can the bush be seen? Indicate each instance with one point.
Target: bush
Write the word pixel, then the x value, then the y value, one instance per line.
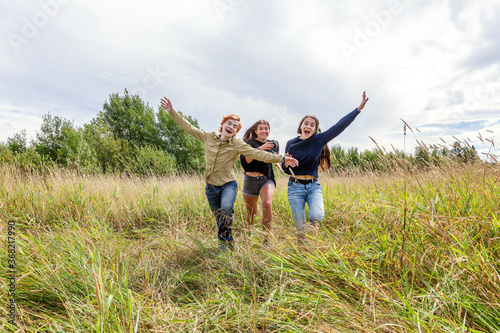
pixel 18 142
pixel 28 160
pixel 151 161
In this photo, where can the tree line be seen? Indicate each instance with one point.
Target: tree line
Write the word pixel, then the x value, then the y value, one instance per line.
pixel 380 160
pixel 129 137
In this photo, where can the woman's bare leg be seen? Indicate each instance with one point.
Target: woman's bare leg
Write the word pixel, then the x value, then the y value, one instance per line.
pixel 252 208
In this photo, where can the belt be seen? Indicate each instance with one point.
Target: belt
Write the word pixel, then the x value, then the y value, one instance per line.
pixel 303 181
pixel 257 177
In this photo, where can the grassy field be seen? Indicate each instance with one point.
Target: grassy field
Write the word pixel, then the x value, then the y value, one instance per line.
pixel 415 252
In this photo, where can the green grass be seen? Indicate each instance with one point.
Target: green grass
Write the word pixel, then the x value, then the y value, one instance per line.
pixel 414 252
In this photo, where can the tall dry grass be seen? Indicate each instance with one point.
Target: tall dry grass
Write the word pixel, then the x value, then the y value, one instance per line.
pixel 410 251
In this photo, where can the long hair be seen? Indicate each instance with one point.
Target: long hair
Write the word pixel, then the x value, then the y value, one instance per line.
pixel 325 162
pixel 250 132
pixel 231 116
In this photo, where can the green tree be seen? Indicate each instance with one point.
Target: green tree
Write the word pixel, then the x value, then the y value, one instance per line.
pixel 353 156
pixel 423 155
pixel 463 152
pixel 131 119
pixel 107 149
pixel 370 159
pixel 51 137
pixel 337 155
pixel 75 151
pixel 18 143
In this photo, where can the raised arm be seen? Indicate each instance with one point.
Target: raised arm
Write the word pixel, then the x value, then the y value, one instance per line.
pixel 183 122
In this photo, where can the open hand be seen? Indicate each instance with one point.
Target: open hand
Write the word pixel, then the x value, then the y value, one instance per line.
pixel 363 102
pixel 291 162
pixel 166 104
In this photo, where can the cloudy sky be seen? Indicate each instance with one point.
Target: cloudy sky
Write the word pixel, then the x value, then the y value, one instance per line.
pixel 432 63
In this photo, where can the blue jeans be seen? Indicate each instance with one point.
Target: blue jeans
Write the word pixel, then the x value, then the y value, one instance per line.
pixel 221 200
pixel 298 195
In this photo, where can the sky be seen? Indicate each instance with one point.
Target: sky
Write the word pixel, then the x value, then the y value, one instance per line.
pixel 432 64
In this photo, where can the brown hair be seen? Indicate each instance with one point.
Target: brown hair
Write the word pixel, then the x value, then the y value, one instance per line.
pixel 250 132
pixel 325 160
pixel 231 116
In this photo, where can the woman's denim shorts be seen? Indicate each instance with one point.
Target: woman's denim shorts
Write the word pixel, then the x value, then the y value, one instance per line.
pixel 252 185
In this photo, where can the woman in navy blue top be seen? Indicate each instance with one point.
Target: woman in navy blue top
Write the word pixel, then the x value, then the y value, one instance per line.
pixel 259 176
pixel 310 148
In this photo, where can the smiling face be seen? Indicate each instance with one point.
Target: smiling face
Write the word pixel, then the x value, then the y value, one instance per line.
pixel 307 128
pixel 262 132
pixel 229 128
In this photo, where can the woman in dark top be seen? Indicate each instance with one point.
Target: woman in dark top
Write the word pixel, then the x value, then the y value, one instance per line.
pixel 259 176
pixel 310 148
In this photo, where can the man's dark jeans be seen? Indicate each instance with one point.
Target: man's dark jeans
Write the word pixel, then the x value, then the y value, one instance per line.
pixel 221 200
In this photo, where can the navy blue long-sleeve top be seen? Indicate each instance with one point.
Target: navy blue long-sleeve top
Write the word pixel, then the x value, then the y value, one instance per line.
pixel 308 151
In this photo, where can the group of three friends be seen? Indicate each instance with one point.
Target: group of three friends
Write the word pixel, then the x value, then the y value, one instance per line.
pixel 304 156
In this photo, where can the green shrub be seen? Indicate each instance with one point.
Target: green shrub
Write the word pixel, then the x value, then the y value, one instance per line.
pixel 151 161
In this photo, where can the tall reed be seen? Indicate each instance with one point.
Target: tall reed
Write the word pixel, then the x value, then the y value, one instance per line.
pixel 133 254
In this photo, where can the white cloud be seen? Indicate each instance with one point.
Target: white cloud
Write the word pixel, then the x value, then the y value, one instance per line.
pixel 427 62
